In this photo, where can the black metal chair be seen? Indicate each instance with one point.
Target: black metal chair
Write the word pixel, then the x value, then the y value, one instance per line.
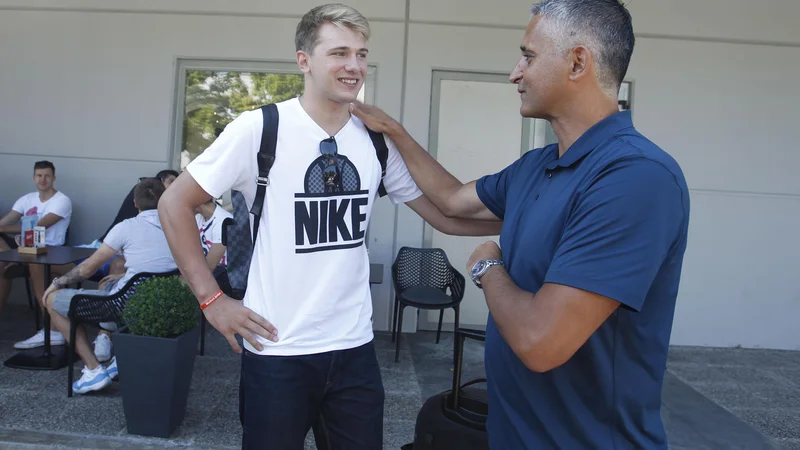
pixel 96 309
pixel 21 271
pixel 422 277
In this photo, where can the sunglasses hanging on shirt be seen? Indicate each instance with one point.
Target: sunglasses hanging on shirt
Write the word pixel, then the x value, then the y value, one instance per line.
pixel 331 176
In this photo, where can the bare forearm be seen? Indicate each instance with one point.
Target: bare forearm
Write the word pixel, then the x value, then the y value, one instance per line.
pixel 77 274
pixel 511 309
pixel 214 256
pixel 538 330
pixel 468 227
pixel 10 222
pixel 436 182
pixel 49 220
pixel 10 219
pixel 179 225
pixel 423 206
pixel 10 228
pixel 212 262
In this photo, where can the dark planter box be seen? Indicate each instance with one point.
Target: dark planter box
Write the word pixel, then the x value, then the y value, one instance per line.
pixel 155 375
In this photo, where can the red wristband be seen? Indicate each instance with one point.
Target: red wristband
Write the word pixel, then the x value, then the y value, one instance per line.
pixel 205 304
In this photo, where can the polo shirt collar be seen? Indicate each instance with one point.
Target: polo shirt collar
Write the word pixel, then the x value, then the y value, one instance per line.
pixel 593 137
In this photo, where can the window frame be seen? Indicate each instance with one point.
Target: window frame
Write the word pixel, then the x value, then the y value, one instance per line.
pixel 183 65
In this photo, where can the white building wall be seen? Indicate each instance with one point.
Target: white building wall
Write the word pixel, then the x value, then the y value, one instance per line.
pixel 90 84
pixel 727 112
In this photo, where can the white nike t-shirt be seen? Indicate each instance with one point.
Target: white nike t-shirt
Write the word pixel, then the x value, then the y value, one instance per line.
pixel 310 271
pixel 211 231
pixel 59 204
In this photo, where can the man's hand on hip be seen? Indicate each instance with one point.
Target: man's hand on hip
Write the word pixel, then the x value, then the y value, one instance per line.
pixel 231 317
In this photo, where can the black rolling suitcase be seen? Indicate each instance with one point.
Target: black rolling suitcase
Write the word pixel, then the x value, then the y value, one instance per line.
pixel 455 419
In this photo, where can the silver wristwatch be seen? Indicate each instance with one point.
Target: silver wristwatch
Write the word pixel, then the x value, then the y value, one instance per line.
pixel 56 283
pixel 480 268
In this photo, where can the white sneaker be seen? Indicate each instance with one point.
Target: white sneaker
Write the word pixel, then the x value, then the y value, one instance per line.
pixel 37 340
pixel 102 348
pixel 112 370
pixel 92 380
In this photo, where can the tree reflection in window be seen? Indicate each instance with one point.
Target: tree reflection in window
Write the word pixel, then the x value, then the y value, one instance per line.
pixel 213 99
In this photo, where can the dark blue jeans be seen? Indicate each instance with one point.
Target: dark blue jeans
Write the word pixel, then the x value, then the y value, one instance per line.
pixel 339 394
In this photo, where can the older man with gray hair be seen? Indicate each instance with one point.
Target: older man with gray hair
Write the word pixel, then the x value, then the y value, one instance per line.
pixel 582 296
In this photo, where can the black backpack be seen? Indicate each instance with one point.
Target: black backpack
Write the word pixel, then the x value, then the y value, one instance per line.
pixel 236 235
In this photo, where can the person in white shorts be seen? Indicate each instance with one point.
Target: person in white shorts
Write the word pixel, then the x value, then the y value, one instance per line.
pixel 142 242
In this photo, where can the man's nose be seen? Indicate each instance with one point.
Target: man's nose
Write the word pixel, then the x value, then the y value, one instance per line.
pixel 352 64
pixel 516 74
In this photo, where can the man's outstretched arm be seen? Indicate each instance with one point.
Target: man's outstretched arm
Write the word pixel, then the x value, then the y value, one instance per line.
pixel 451 225
pixel 452 197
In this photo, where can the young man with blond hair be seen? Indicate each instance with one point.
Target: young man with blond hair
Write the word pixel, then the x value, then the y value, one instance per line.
pixel 309 358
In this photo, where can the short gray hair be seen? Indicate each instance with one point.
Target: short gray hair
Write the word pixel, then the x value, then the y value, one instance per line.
pixel 603 26
pixel 343 16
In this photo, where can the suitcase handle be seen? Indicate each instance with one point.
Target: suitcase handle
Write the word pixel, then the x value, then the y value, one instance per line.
pixel 475 381
pixel 460 335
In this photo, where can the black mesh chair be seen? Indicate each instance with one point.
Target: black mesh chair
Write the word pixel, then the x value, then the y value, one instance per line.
pixel 21 271
pixel 422 277
pixel 96 309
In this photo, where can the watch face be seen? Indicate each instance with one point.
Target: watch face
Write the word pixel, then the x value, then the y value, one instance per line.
pixel 476 269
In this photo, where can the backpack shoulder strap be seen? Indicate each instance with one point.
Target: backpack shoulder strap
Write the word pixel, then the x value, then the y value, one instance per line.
pixel 265 159
pixel 383 155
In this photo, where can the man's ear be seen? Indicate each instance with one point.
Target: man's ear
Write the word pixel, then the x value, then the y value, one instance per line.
pixel 581 62
pixel 304 61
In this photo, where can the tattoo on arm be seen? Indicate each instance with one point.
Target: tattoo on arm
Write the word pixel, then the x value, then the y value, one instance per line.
pixel 73 276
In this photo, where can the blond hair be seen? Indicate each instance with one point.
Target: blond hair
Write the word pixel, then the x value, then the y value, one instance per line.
pixel 342 16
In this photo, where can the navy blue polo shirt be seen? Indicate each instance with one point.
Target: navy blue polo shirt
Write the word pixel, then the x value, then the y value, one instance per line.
pixel 611 217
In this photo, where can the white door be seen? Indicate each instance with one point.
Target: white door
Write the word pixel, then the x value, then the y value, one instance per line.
pixel 476 129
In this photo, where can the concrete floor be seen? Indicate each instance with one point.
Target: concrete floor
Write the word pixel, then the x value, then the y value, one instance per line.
pixel 713 398
pixel 759 387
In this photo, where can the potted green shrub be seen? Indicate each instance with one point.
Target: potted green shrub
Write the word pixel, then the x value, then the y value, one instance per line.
pixel 155 354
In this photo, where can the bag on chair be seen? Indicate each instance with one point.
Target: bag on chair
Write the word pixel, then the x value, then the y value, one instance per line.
pixel 454 419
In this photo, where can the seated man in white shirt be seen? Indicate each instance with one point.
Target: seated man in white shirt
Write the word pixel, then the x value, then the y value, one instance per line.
pixel 144 246
pixel 54 211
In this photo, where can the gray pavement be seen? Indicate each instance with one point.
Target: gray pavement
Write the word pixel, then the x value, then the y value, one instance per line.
pixel 713 398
